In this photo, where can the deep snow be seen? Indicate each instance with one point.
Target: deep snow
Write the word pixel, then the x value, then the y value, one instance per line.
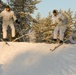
pixel 37 59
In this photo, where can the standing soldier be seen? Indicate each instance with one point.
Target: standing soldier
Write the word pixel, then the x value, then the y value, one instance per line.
pixel 8 18
pixel 60 22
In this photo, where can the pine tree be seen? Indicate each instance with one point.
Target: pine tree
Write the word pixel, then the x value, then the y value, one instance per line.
pixel 47 29
pixel 38 16
pixel 43 29
pixel 37 27
pixel 74 27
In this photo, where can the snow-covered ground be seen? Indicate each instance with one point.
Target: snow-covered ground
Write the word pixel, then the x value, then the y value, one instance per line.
pixel 37 59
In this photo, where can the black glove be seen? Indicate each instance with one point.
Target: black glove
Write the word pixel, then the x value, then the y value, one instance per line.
pixel 17 21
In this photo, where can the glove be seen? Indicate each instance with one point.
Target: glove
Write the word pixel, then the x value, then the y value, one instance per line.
pixel 17 21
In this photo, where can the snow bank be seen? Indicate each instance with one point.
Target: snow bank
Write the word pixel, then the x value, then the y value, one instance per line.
pixel 37 59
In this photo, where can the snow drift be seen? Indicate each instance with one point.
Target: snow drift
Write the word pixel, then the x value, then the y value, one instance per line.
pixel 37 59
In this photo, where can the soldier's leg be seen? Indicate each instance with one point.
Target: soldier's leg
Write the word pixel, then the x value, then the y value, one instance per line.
pixel 4 29
pixel 56 32
pixel 62 32
pixel 12 29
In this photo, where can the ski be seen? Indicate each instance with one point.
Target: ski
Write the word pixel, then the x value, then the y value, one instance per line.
pixel 58 45
pixel 5 42
pixel 19 38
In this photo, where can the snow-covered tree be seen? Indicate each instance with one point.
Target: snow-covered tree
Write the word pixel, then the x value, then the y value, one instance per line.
pixel 43 28
pixel 47 29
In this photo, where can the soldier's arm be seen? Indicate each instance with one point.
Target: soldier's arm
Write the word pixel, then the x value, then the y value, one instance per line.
pixel 54 23
pixel 61 17
pixel 14 17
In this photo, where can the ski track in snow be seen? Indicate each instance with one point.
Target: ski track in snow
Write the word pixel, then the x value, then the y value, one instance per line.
pixel 37 59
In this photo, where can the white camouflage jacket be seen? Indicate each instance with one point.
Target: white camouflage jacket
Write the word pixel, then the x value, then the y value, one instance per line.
pixel 8 16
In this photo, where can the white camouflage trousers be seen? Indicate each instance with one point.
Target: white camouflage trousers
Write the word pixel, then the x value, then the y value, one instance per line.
pixel 4 29
pixel 59 30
